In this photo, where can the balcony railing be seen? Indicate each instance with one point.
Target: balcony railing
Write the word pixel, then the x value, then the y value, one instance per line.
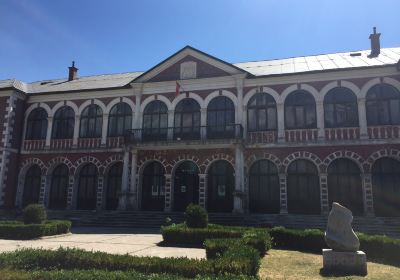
pixel 342 133
pixel 301 135
pixel 262 137
pixel 384 132
pixel 33 145
pixel 176 134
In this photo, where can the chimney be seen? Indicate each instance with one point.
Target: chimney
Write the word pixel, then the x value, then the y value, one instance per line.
pixel 375 44
pixel 73 72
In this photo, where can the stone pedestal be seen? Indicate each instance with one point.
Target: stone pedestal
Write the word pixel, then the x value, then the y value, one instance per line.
pixel 344 263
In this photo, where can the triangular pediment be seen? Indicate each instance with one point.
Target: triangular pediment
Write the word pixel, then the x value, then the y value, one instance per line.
pixel 189 63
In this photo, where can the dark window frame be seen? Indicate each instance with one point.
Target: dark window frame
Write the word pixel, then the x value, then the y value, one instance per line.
pixel 224 108
pixel 63 123
pixel 91 122
pixel 32 185
pixel 379 99
pixel 303 100
pixel 114 185
pixel 335 98
pixel 36 124
pixel 120 117
pixel 155 114
pixel 59 181
pixel 187 109
pixel 258 106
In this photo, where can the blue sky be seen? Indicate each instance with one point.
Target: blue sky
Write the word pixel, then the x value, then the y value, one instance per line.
pixel 39 39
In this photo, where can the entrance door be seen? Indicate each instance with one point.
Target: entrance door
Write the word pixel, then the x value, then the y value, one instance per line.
pixel 220 187
pixel 87 189
pixel 114 183
pixel 153 187
pixel 59 188
pixel 186 185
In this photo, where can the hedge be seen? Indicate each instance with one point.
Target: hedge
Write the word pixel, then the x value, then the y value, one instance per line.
pixel 241 260
pixel 378 248
pixel 15 230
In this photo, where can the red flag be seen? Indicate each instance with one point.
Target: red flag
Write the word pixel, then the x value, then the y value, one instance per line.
pixel 177 89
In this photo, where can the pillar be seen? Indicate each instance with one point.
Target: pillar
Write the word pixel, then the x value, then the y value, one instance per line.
pixel 320 120
pixel 76 131
pixel 283 193
pixel 202 190
pixel 123 199
pixel 362 119
pixel 238 199
pixel 323 183
pixel 133 190
pixel 71 183
pixel 170 132
pixel 42 192
pixel 104 131
pixel 99 194
pixel 367 194
pixel 281 122
pixel 168 193
pixel 203 123
pixel 48 133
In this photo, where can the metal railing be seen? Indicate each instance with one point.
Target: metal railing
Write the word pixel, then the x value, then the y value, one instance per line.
pixel 176 134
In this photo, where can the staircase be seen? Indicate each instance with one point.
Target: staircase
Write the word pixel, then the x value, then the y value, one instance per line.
pixel 153 220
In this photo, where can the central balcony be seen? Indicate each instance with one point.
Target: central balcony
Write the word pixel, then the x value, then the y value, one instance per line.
pixel 174 135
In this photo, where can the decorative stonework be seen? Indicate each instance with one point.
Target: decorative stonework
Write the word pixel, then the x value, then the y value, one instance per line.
pixel 300 155
pixel 251 159
pixel 108 163
pixel 342 154
pixel 54 162
pixel 210 160
pixel 188 70
pixel 148 159
pixel 174 163
pixel 89 159
pixel 391 153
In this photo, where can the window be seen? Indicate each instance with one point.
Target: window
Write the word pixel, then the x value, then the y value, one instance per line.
pixel 300 110
pixel 221 183
pixel 153 187
pixel 120 119
pixel 344 185
pixel 264 189
pixel 59 187
pixel 36 127
pixel 63 123
pixel 91 122
pixel 87 188
pixel 114 183
pixel 187 120
pixel 155 121
pixel 303 193
pixel 32 185
pixel 340 107
pixel 261 113
pixel 386 187
pixel 383 105
pixel 220 117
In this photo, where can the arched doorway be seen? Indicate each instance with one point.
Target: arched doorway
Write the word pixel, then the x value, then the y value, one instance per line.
pixel 186 185
pixel 59 187
pixel 87 187
pixel 303 192
pixel 344 185
pixel 221 184
pixel 386 187
pixel 153 187
pixel 114 181
pixel 264 188
pixel 32 185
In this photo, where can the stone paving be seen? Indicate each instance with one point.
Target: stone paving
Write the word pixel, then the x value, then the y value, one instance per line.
pixel 114 241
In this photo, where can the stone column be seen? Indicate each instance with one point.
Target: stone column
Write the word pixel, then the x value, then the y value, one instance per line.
pixel 238 198
pixel 71 183
pixel 134 194
pixel 203 123
pixel 323 182
pixel 137 89
pixel 281 122
pixel 366 179
pixel 76 131
pixel 283 193
pixel 123 199
pixel 239 79
pixel 320 120
pixel 42 192
pixel 170 132
pixel 244 121
pixel 168 193
pixel 104 131
pixel 202 190
pixel 48 133
pixel 99 197
pixel 362 119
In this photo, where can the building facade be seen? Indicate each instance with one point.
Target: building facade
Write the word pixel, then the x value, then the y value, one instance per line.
pixel 280 136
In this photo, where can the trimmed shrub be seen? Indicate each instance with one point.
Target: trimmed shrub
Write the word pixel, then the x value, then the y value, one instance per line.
pixel 34 214
pixel 18 231
pixel 196 216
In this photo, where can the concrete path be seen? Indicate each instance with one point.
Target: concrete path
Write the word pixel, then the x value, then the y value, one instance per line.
pixel 114 241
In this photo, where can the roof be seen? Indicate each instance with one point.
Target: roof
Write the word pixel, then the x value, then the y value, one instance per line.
pixel 303 64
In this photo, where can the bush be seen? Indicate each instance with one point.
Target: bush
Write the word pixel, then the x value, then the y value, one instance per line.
pixel 34 214
pixel 18 231
pixel 196 216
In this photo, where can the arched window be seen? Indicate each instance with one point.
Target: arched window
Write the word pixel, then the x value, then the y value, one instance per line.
pixel 261 113
pixel 36 126
pixel 386 187
pixel 155 121
pixel 59 188
pixel 220 117
pixel 91 122
pixel 344 185
pixel 303 192
pixel 32 185
pixel 264 189
pixel 153 187
pixel 63 123
pixel 114 182
pixel 186 185
pixel 187 120
pixel 221 183
pixel 340 107
pixel 87 187
pixel 383 105
pixel 300 110
pixel 120 119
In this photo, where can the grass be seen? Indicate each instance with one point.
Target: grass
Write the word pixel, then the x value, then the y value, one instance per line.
pixel 283 264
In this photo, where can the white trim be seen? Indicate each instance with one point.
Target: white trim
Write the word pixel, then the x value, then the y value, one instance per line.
pixel 192 95
pixel 61 104
pixel 92 101
pixel 151 98
pixel 254 91
pixel 117 100
pixel 225 93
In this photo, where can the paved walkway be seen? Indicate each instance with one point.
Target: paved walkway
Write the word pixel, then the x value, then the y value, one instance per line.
pixel 112 241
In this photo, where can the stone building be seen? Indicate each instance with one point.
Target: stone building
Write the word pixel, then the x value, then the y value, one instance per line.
pixel 280 136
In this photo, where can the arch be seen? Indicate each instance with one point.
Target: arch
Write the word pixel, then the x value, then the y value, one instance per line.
pixel 32 185
pixel 62 104
pixel 390 153
pixel 152 191
pixel 205 166
pixel 117 100
pixel 38 105
pixel 64 122
pixel 36 126
pixel 28 163
pixel 185 157
pixel 88 159
pixel 119 119
pixel 356 158
pixel 346 84
pixel 154 121
pixel 300 110
pixel 161 98
pixel 192 95
pixel 386 80
pixel 58 187
pixel 296 87
pixel 251 159
pixel 186 184
pixel 301 155
pixel 217 93
pixel 87 186
pixel 54 162
pixel 254 91
pixel 187 120
pixel 148 159
pixel 111 161
pixel 92 101
pixel 113 185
